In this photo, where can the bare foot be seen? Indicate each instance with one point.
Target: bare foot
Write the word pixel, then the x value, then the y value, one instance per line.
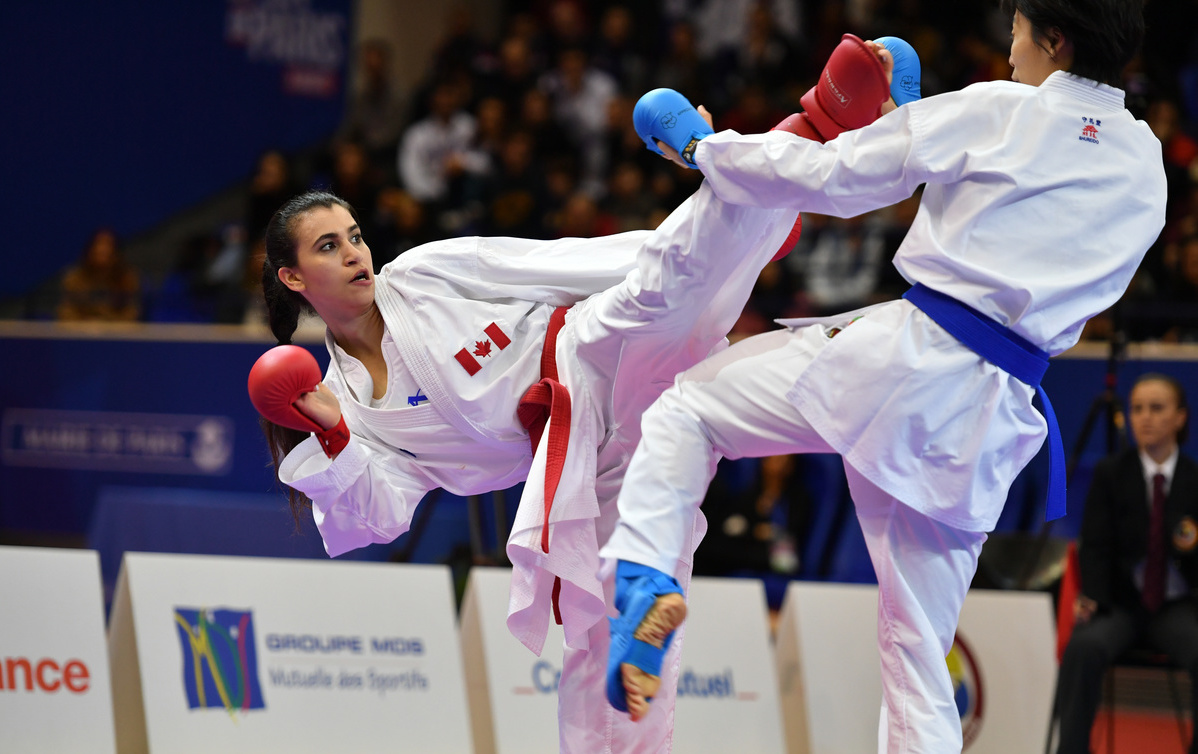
pixel 667 614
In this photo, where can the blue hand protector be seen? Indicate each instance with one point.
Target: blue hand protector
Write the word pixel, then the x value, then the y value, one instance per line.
pixel 904 87
pixel 665 115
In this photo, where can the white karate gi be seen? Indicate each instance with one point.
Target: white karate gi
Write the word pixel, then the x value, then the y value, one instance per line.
pixel 661 302
pixel 1039 205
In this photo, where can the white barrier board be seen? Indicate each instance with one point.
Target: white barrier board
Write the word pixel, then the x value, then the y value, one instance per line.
pixel 727 689
pixel 55 693
pixel 285 655
pixel 1002 664
pixel 513 693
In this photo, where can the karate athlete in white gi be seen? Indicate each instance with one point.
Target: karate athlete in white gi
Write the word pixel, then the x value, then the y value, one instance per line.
pixel 1042 195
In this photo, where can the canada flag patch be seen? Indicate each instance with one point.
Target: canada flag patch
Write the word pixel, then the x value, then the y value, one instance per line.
pixel 469 356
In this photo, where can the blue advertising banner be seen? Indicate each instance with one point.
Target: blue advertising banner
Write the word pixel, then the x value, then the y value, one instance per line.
pixel 129 111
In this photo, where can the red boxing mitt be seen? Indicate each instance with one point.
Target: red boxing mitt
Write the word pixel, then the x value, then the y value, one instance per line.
pixel 850 90
pixel 278 379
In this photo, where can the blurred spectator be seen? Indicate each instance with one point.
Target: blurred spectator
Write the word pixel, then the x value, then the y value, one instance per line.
pixel 516 192
pixel 764 56
pixel 1182 293
pixel 628 201
pixel 101 286
pixel 516 74
pixel 773 297
pixel 682 68
pixel 462 52
pixel 581 217
pixel 580 95
pixel 536 117
pixel 753 112
pixel 376 112
pixel 402 225
pixel 616 51
pixel 270 186
pixel 1180 151
pixel 357 182
pixel 757 527
pixel 567 25
pixel 434 155
pixel 842 261
pixel 207 282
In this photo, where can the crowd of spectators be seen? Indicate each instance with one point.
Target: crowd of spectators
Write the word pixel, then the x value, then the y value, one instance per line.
pixel 531 135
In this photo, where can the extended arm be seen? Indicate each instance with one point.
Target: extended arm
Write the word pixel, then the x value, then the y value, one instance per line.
pixel 367 495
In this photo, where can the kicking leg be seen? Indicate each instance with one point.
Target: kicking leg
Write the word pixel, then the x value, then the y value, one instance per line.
pixel 732 404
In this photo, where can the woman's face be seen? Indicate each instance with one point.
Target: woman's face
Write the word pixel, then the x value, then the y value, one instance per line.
pixel 102 252
pixel 1030 62
pixel 333 269
pixel 1156 418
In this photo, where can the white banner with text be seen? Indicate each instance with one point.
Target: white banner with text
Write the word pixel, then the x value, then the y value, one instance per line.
pixel 1002 663
pixel 55 693
pixel 275 655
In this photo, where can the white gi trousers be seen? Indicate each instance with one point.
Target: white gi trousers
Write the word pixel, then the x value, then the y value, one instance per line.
pixel 693 277
pixel 735 405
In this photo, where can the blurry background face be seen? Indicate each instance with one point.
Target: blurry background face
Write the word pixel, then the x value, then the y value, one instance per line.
pixel 102 252
pixel 1155 416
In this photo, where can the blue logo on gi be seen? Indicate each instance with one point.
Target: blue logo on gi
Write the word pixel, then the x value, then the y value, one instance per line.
pixel 220 662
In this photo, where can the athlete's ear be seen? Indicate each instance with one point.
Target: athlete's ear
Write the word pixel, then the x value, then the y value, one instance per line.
pixel 291 278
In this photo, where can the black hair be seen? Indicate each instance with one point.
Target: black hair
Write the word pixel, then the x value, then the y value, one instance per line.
pixel 1178 392
pixel 284 307
pixel 1105 34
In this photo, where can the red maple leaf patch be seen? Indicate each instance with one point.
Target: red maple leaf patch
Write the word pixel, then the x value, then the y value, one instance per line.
pixel 482 348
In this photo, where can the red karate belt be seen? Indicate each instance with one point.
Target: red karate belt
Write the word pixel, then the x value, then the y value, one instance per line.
pixel 549 399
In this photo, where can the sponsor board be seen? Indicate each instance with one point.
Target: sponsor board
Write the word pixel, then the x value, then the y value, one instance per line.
pixel 727 687
pixel 727 693
pixel 264 655
pixel 53 664
pixel 1002 666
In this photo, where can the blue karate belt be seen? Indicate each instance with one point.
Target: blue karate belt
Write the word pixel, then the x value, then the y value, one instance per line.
pixel 1010 353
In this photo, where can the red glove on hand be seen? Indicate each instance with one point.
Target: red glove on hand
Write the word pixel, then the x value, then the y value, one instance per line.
pixel 850 91
pixel 849 94
pixel 277 380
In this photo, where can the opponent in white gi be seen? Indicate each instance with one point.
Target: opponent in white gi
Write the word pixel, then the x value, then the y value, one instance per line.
pixel 1041 198
pixel 429 386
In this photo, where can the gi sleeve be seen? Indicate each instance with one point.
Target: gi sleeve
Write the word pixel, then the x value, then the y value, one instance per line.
pixel 560 272
pixel 367 494
pixel 928 141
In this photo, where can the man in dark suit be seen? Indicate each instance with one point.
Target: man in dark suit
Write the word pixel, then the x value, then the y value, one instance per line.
pixel 1138 558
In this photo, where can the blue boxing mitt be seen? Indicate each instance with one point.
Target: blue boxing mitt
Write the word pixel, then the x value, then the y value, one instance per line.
pixel 665 115
pixel 904 86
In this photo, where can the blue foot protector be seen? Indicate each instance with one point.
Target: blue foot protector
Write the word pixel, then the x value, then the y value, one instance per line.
pixel 904 86
pixel 637 588
pixel 665 115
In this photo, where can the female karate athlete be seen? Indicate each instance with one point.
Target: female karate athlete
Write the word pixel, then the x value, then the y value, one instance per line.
pixel 1041 197
pixel 444 366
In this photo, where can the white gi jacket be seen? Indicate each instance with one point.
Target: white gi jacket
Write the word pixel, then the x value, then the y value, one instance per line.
pixel 436 300
pixel 1039 204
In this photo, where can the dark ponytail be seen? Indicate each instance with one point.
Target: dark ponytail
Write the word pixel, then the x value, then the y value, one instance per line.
pixel 284 308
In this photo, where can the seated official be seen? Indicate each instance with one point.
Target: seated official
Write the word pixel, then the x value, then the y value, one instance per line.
pixel 1137 556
